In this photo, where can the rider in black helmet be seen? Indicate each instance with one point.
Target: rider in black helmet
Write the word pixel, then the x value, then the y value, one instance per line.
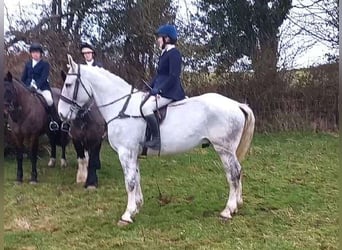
pixel 89 54
pixel 35 76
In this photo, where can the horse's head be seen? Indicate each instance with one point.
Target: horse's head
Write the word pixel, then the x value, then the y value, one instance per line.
pixel 76 92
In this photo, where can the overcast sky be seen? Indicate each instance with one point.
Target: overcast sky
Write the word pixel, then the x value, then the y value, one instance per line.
pixel 313 55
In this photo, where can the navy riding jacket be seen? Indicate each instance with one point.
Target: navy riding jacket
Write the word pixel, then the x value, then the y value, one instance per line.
pixel 98 64
pixel 167 81
pixel 40 73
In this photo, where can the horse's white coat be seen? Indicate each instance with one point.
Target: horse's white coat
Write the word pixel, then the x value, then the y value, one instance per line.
pixel 190 122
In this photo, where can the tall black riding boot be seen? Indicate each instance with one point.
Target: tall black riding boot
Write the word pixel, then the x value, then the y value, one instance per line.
pixel 53 126
pixel 152 123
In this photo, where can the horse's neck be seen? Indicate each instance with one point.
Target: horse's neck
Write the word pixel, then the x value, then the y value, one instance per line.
pixel 24 97
pixel 106 91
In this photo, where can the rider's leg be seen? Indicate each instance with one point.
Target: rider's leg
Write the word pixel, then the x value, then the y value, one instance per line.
pixel 147 109
pixel 52 112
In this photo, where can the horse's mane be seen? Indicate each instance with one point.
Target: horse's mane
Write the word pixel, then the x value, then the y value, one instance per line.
pixel 18 83
pixel 111 76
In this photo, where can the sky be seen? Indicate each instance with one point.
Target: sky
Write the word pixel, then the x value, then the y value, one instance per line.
pixel 312 56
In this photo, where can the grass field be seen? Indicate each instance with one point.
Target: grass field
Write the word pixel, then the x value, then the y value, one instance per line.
pixel 290 192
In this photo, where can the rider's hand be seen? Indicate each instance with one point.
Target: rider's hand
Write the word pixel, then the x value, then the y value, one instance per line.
pixel 32 89
pixel 154 91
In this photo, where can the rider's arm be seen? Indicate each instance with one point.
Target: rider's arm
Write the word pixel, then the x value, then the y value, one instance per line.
pixel 44 76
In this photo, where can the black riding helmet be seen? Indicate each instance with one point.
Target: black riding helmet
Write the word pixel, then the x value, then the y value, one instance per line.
pixel 36 47
pixel 86 47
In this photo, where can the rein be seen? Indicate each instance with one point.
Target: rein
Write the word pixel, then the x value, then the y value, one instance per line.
pixel 122 114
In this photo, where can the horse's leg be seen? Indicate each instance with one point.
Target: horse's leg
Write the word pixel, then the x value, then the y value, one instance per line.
pixel 240 200
pixel 20 150
pixel 64 162
pixel 139 199
pixel 81 160
pixel 33 156
pixel 52 161
pixel 232 169
pixel 129 164
pixel 64 142
pixel 94 164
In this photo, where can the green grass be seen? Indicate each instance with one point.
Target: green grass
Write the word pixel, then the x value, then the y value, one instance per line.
pixel 290 192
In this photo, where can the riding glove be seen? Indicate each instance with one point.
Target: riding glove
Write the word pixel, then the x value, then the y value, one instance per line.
pixel 33 89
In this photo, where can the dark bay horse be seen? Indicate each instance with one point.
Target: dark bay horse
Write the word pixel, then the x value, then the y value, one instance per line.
pixel 87 132
pixel 28 120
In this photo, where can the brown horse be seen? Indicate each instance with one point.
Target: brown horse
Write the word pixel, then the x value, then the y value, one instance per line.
pixel 87 132
pixel 28 120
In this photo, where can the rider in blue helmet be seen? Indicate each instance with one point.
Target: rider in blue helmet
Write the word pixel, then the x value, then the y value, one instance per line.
pixel 166 86
pixel 167 31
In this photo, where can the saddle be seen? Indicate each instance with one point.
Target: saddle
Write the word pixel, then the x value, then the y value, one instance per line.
pixel 46 107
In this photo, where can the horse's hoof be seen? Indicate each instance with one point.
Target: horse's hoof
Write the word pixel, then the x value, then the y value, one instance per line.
pixel 32 182
pixel 80 181
pixel 18 182
pixel 64 163
pixel 91 187
pixel 123 223
pixel 52 163
pixel 225 219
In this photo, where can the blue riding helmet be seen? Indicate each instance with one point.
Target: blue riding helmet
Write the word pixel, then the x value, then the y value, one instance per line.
pixel 167 30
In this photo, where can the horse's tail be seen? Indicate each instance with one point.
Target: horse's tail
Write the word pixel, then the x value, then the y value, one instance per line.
pixel 247 133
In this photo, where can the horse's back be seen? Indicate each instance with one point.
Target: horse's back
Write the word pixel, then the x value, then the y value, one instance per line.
pixel 30 116
pixel 212 102
pixel 217 100
pixel 197 120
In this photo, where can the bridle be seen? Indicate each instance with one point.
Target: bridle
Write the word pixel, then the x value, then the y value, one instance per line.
pixel 75 107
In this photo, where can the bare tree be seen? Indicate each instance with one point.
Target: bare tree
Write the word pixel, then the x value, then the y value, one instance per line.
pixel 318 20
pixel 122 32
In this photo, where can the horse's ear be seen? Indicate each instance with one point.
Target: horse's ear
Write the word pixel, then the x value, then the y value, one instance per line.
pixel 9 76
pixel 71 62
pixel 63 75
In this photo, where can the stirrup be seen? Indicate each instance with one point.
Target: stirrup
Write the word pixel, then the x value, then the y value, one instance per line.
pixel 53 126
pixel 65 127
